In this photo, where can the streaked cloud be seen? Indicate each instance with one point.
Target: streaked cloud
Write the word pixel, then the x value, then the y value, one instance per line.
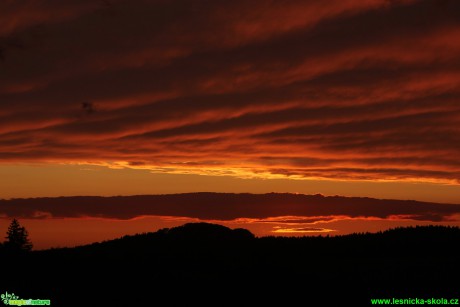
pixel 344 90
pixel 302 230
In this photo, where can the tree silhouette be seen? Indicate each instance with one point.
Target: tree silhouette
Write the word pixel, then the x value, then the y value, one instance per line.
pixel 17 237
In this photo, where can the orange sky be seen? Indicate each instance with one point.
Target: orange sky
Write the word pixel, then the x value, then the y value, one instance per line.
pixel 118 97
pixel 52 180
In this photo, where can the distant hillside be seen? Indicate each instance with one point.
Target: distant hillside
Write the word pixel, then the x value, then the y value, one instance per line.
pixel 208 233
pixel 190 233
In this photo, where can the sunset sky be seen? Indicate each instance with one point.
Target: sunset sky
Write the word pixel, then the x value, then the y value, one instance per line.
pixel 358 98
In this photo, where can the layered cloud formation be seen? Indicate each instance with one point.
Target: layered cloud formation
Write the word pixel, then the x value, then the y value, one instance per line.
pixel 289 209
pixel 349 89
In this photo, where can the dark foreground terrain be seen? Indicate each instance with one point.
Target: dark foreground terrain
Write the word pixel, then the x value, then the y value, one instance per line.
pixel 210 265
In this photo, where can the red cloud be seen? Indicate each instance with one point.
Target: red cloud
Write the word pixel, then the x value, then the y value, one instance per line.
pixel 362 90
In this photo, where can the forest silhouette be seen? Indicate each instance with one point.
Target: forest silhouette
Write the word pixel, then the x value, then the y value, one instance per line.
pixel 207 264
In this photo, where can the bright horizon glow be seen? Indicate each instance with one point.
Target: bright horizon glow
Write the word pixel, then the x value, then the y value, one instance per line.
pixel 54 180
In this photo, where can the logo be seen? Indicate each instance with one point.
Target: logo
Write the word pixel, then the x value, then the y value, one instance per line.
pixel 13 300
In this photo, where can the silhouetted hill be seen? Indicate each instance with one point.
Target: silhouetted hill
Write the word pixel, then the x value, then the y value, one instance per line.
pixel 207 231
pixel 209 265
pixel 199 235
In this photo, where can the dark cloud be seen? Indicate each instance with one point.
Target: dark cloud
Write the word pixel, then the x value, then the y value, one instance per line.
pixel 331 89
pixel 216 206
pixel 88 107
